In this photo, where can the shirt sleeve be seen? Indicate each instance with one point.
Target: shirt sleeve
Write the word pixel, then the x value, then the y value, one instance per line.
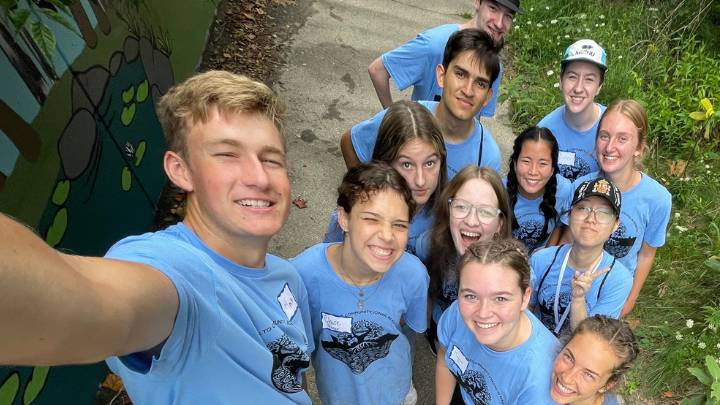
pixel 660 208
pixel 614 293
pixel 416 315
pixel 407 63
pixel 447 325
pixel 491 152
pixel 364 135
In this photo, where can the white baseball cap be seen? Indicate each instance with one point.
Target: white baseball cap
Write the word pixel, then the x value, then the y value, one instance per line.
pixel 586 50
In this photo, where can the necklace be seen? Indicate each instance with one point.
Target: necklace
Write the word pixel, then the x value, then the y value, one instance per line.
pixel 361 290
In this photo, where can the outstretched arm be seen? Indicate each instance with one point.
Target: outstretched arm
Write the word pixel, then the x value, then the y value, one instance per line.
pixel 646 257
pixel 348 151
pixel 381 81
pixel 59 309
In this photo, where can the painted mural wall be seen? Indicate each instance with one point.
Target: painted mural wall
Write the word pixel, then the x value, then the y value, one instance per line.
pixel 80 144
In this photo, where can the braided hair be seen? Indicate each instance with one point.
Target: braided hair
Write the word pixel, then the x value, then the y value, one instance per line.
pixel 547 206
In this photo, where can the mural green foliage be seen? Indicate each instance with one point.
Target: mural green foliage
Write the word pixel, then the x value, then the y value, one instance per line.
pixel 9 389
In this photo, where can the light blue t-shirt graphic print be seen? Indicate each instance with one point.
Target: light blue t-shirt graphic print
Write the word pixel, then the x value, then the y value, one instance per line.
pixel 362 355
pixel 459 155
pixel 239 332
pixel 531 219
pixel 414 63
pixel 577 148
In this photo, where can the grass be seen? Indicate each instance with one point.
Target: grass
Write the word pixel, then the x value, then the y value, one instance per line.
pixel 666 55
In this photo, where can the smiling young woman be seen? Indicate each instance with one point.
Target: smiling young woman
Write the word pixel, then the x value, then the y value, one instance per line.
pixel 597 354
pixel 361 289
pixel 489 343
pixel 620 145
pixel 538 193
pixel 579 279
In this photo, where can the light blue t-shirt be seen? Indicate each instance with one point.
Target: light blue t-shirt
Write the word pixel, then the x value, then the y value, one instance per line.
pixel 362 356
pixel 606 296
pixel 239 332
pixel 518 376
pixel 421 222
pixel 577 149
pixel 459 155
pixel 414 63
pixel 644 216
pixel 531 219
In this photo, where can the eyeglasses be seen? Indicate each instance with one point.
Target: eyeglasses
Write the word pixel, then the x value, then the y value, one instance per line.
pixel 460 209
pixel 602 215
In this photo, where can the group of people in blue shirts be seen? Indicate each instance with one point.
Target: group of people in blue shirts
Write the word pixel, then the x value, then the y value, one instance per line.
pixel 518 282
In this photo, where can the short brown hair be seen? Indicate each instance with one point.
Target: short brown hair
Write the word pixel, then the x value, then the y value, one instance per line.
pixel 361 182
pixel 188 102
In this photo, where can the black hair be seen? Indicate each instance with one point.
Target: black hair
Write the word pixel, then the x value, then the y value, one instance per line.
pixel 485 50
pixel 547 206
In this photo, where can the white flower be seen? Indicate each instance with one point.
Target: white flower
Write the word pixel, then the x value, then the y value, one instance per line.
pixel 532 8
pixel 525 36
pixel 582 16
pixel 689 323
pixel 682 229
pixel 587 29
pixel 678 335
pixel 707 166
pixel 653 9
pixel 550 72
pixel 602 24
pixel 718 345
pixel 712 327
pixel 547 8
pixel 567 36
pixel 597 25
pixel 553 21
pixel 677 215
pixel 539 25
pixel 602 16
pixel 556 85
pixel 701 345
pixel 619 56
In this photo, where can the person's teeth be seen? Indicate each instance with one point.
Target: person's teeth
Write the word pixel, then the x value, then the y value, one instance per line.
pixel 381 252
pixel 255 203
pixel 486 325
pixel 470 234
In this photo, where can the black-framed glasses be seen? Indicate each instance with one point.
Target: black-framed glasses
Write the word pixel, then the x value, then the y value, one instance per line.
pixel 460 209
pixel 602 215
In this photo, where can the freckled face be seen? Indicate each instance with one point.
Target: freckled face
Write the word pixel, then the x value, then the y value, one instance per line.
pixel 583 367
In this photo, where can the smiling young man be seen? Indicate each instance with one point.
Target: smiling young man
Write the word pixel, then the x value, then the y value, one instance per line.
pixel 199 312
pixel 413 64
pixel 575 123
pixel 470 64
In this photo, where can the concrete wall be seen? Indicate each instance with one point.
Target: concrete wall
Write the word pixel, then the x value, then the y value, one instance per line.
pixel 80 145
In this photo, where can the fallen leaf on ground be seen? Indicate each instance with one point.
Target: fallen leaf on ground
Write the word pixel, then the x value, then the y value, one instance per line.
pixel 300 202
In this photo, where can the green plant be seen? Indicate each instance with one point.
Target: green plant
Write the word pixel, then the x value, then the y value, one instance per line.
pixel 31 15
pixel 709 377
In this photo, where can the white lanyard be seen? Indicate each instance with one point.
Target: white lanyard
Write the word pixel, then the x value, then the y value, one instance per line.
pixel 559 321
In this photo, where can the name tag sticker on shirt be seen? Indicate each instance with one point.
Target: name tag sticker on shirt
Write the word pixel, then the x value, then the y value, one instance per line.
pixel 335 323
pixel 287 302
pixel 566 158
pixel 459 358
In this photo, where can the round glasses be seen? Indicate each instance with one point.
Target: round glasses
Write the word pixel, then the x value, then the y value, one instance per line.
pixel 460 209
pixel 602 215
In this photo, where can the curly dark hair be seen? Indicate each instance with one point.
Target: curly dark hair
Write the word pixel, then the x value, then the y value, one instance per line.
pixel 364 180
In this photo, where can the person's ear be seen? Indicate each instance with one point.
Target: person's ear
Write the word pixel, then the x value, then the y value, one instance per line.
pixel 526 298
pixel 343 220
pixel 440 75
pixel 178 170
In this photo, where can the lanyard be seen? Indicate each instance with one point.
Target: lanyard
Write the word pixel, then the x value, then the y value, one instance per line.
pixel 559 321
